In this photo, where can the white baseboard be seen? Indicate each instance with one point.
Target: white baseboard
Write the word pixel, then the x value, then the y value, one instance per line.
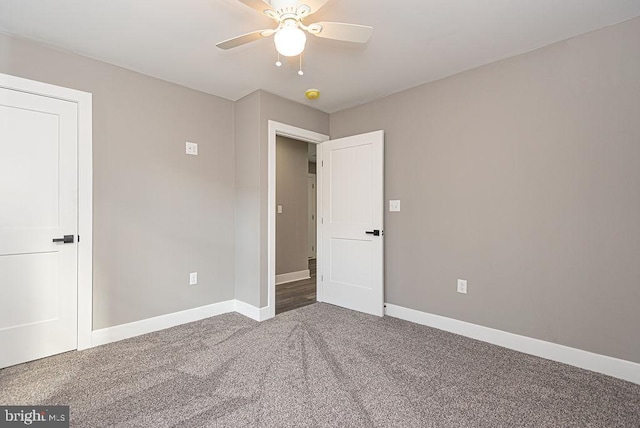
pixel 125 331
pixel 137 328
pixel 250 311
pixel 283 278
pixel 615 367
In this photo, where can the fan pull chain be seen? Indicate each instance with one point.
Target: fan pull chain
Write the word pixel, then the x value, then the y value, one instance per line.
pixel 278 63
pixel 300 72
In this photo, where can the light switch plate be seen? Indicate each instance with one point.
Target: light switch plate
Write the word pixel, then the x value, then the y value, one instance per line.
pixel 279 209
pixel 192 148
pixel 193 278
pixel 394 205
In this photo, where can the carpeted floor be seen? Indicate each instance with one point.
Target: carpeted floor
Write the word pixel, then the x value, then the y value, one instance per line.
pixel 317 366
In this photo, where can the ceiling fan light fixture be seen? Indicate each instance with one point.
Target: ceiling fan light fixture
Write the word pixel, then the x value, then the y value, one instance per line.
pixel 290 40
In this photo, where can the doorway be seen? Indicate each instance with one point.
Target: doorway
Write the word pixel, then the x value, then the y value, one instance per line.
pixel 295 224
pixel 280 129
pixel 350 244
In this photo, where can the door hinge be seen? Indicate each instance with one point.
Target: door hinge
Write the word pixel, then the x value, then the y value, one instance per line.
pixel 322 221
pixel 322 163
pixel 78 238
pixel 313 217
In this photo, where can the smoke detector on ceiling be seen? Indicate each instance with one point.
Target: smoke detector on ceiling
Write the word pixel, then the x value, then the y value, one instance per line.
pixel 312 94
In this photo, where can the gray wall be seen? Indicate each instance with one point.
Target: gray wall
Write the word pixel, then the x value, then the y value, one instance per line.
pixel 247 173
pixel 523 177
pixel 158 213
pixel 292 225
pixel 252 115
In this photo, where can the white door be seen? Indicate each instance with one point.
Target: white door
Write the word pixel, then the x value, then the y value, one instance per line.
pixel 312 204
pixel 38 203
pixel 352 215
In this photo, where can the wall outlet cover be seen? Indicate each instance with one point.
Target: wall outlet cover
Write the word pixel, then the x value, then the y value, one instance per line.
pixel 394 205
pixel 193 278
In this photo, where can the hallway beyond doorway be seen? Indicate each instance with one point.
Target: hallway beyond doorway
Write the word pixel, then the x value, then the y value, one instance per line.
pixel 293 295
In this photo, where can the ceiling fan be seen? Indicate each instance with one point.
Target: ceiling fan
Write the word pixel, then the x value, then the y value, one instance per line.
pixel 289 35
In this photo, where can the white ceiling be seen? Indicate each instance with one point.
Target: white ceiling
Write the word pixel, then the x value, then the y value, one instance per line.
pixel 414 41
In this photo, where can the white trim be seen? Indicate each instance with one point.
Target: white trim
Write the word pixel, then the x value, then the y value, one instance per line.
pixel 85 191
pixel 615 367
pixel 284 278
pixel 250 311
pixel 277 128
pixel 85 221
pixel 149 325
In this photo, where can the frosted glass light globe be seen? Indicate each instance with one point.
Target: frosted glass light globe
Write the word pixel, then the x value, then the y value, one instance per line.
pixel 290 41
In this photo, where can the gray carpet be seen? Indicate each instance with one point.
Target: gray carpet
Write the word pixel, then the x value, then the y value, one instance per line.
pixel 317 366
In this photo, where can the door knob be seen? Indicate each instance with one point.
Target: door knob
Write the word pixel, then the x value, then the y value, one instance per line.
pixel 374 232
pixel 67 239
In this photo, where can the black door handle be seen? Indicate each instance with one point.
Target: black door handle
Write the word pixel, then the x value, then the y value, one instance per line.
pixel 374 232
pixel 68 239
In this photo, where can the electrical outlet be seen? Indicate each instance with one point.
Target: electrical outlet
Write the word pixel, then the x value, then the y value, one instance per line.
pixel 394 205
pixel 193 278
pixel 462 286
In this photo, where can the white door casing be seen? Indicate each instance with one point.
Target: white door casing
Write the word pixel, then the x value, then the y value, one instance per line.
pixel 274 129
pixel 352 205
pixel 45 193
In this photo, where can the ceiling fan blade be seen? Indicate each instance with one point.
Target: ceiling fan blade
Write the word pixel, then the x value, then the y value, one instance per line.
pixel 243 39
pixel 258 5
pixel 315 5
pixel 341 31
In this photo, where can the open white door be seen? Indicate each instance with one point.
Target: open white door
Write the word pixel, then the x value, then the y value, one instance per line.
pixel 39 203
pixel 352 223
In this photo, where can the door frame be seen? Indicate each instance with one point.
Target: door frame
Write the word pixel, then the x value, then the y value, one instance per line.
pixel 83 100
pixel 284 130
